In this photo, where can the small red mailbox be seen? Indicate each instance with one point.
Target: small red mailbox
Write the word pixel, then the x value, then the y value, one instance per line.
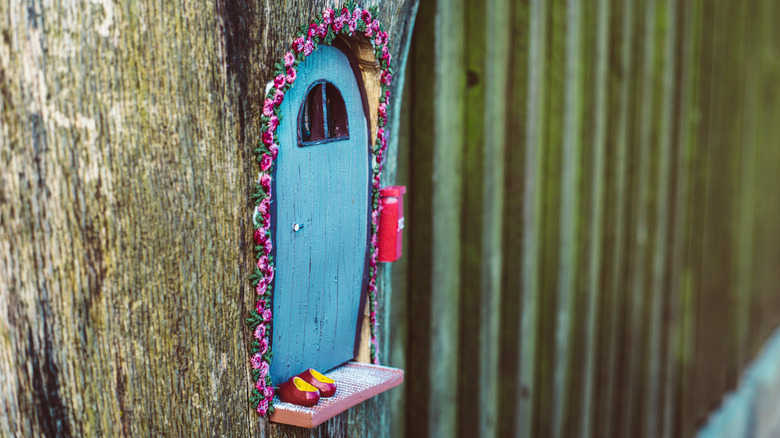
pixel 391 223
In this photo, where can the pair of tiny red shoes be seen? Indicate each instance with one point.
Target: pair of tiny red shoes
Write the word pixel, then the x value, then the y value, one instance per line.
pixel 306 388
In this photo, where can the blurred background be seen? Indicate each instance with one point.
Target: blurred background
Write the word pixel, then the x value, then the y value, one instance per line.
pixel 592 241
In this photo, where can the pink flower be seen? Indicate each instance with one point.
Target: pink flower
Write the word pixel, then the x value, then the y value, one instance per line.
pixel 265 182
pixel 263 372
pixel 268 107
pixel 338 24
pixel 375 26
pixel 269 393
pixel 308 48
pixel 269 273
pixel 369 31
pixel 262 408
pixel 268 246
pixel 366 16
pixel 260 385
pixel 385 53
pixel 262 263
pixel 298 44
pixel 280 81
pixel 262 285
pixel 265 162
pixel 373 240
pixel 279 97
pixel 260 331
pixel 266 315
pixel 289 60
pixel 268 137
pixel 263 347
pixel 260 306
pixel 385 77
pixel 259 237
pixel 345 13
pixel 291 75
pixel 312 30
pixel 273 122
pixel 383 109
pixel 274 150
pixel 322 30
pixel 327 16
pixel 352 23
pixel 257 359
pixel 264 206
pixel 266 220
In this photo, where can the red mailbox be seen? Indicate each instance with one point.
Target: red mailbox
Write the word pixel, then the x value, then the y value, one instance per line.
pixel 391 223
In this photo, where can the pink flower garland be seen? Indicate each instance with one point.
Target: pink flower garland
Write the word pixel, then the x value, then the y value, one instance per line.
pixel 349 20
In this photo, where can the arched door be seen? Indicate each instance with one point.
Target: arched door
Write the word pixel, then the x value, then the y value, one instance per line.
pixel 321 209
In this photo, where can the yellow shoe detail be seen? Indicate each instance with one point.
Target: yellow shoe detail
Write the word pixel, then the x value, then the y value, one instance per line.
pixel 320 377
pixel 302 385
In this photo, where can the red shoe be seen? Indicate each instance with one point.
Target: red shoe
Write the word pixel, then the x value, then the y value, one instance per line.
pixel 298 392
pixel 326 385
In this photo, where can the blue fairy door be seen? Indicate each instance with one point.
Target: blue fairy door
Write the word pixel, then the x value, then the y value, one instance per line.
pixel 321 217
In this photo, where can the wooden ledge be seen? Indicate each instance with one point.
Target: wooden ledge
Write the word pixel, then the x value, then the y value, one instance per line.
pixel 355 383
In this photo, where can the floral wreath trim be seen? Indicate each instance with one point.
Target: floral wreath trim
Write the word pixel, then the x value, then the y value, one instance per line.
pixel 351 20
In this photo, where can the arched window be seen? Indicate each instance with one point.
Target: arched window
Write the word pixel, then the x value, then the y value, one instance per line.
pixel 323 115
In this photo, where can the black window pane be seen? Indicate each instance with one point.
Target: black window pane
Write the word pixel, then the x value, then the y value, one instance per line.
pixel 312 123
pixel 337 113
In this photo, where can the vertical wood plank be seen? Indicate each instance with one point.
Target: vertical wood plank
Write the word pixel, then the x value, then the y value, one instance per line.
pixel 496 72
pixel 533 193
pixel 678 352
pixel 420 218
pixel 447 186
pixel 641 229
pixel 708 296
pixel 472 295
pixel 658 284
pixel 614 408
pixel 567 282
pixel 550 231
pixel 749 188
pixel 597 225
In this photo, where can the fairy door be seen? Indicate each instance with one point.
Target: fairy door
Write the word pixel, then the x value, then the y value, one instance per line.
pixel 321 217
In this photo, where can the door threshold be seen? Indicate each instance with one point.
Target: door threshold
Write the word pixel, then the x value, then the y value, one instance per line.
pixel 355 383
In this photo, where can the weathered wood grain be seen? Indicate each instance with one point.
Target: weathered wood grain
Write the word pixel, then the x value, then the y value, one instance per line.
pixel 127 168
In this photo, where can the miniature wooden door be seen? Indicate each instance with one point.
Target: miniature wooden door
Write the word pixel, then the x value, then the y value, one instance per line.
pixel 321 217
